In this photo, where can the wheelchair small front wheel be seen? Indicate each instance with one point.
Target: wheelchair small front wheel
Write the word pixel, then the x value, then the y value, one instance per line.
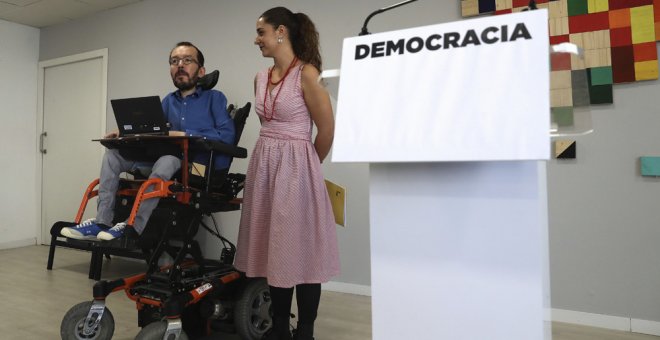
pixel 156 331
pixel 73 324
pixel 252 312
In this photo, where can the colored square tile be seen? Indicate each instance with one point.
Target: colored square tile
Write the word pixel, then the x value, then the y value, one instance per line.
pixel 589 22
pixel 562 116
pixel 650 166
pixel 645 51
pixel 504 11
pixel 620 18
pixel 577 7
pixel 596 39
pixel 520 3
pixel 623 64
pixel 501 5
pixel 643 26
pixel 580 82
pixel 600 76
pixel 565 149
pixel 621 37
pixel 558 39
pixel 646 70
pixel 561 98
pixel 619 4
pixel 597 58
pixel 469 8
pixel 560 80
pixel 558 9
pixel 595 6
pixel 486 6
pixel 558 26
pixel 560 61
pixel 601 94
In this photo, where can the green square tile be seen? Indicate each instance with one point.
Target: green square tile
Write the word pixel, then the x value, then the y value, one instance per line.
pixel 601 94
pixel 601 75
pixel 562 116
pixel 578 7
pixel 650 166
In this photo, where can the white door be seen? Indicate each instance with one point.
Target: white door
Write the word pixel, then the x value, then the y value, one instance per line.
pixel 72 97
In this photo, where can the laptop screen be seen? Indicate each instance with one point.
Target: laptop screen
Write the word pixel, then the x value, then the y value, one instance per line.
pixel 139 116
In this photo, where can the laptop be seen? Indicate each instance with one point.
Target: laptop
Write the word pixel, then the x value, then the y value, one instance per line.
pixel 140 116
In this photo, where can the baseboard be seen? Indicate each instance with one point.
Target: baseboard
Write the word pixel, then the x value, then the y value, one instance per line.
pixel 19 243
pixel 606 321
pixel 348 288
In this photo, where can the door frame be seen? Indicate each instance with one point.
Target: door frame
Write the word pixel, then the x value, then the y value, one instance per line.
pixel 43 230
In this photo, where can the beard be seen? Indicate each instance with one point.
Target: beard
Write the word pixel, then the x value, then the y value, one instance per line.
pixel 182 84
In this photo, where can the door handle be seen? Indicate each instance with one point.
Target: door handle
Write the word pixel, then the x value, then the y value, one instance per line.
pixel 42 138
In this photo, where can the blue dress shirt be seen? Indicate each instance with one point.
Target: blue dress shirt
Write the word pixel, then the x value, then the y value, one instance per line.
pixel 203 113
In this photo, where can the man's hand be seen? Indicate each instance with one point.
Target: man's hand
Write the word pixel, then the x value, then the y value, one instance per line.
pixel 112 134
pixel 177 133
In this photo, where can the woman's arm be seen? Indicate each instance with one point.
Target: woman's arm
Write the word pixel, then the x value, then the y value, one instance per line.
pixel 318 104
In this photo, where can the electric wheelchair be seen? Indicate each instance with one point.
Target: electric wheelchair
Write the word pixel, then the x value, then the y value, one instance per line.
pixel 194 296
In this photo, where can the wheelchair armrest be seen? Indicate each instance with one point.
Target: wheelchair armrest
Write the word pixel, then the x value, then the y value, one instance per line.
pixel 216 146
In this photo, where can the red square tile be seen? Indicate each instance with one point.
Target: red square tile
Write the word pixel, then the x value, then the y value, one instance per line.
pixel 560 61
pixel 558 39
pixel 589 22
pixel 619 4
pixel 623 64
pixel 520 3
pixel 645 51
pixel 621 36
pixel 503 11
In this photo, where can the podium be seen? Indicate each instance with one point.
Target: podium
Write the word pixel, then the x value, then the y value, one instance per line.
pixel 454 122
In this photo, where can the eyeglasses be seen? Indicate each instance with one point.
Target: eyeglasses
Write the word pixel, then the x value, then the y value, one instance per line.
pixel 174 61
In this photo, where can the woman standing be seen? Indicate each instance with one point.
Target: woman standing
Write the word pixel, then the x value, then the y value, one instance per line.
pixel 287 232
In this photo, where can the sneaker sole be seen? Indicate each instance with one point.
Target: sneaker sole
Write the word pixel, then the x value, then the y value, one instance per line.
pixel 66 232
pixel 105 236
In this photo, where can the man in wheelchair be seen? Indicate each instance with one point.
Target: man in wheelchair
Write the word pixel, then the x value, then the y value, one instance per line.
pixel 195 296
pixel 191 111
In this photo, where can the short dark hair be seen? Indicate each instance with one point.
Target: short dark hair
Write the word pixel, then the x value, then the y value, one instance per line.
pixel 200 55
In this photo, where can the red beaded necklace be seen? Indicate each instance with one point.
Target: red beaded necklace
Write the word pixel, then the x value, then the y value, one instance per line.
pixel 270 75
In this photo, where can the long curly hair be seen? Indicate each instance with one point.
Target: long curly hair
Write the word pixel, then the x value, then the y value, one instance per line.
pixel 302 33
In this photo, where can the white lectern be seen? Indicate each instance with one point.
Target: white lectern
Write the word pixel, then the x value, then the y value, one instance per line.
pixel 454 121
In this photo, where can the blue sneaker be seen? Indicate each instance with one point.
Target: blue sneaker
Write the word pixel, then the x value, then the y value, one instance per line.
pixel 115 232
pixel 87 230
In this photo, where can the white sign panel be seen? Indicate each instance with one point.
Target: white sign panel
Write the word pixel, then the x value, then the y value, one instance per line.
pixel 464 91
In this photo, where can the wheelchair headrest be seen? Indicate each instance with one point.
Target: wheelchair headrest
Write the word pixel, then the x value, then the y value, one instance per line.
pixel 209 80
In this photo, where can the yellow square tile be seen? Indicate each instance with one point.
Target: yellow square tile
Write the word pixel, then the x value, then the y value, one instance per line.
pixel 646 70
pixel 642 24
pixel 595 6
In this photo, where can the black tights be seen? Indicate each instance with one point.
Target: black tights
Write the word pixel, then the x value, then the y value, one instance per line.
pixel 308 296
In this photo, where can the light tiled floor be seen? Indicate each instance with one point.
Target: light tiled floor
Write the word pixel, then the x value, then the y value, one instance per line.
pixel 34 300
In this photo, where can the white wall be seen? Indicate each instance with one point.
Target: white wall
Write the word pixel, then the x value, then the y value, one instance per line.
pixel 19 54
pixel 604 229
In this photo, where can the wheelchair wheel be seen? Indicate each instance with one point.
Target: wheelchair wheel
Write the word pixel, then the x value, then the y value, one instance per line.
pixel 156 331
pixel 252 312
pixel 73 324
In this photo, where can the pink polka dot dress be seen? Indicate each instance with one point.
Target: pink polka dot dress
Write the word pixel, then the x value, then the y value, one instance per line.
pixel 287 232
